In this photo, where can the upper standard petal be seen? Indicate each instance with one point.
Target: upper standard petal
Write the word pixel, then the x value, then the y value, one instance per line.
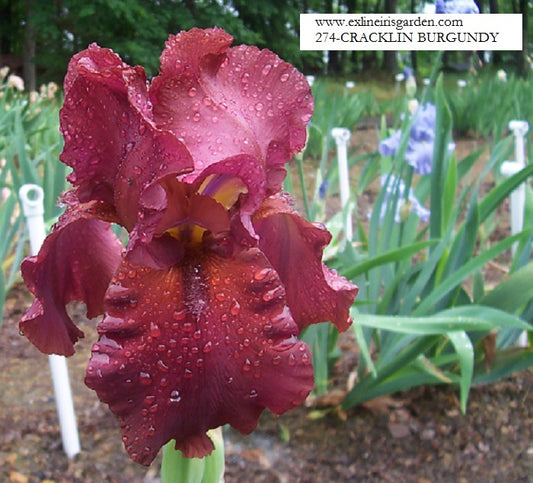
pixel 111 142
pixel 226 101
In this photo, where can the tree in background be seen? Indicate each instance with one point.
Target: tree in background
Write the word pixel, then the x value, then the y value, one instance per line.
pixel 37 38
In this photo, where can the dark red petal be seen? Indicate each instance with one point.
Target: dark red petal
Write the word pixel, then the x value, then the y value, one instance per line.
pixel 225 102
pixel 294 247
pixel 76 262
pixel 173 205
pixel 207 342
pixel 110 138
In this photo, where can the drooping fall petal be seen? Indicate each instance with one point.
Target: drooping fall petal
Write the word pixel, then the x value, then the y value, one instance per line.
pixel 76 262
pixel 204 343
pixel 294 247
pixel 226 101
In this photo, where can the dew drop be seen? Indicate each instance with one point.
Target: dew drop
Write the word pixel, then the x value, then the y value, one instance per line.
pixel 145 378
pixel 192 92
pixel 155 331
pixel 253 394
pixel 266 69
pixel 207 347
pixel 276 360
pixel 284 77
pixel 149 400
pixel 162 366
pixel 175 396
pixel 247 365
pixel 179 314
pixel 235 308
pixel 261 274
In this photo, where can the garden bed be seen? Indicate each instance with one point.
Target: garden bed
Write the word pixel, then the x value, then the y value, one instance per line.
pixel 416 436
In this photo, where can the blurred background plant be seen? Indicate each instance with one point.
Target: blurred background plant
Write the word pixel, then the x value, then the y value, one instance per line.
pixel 427 311
pixel 30 144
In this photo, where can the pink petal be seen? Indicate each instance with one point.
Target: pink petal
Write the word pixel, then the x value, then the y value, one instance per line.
pixel 76 262
pixel 294 247
pixel 111 142
pixel 207 342
pixel 224 102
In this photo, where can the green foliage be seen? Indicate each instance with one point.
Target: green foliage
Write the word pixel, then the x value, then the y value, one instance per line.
pixel 487 103
pixel 209 469
pixel 29 148
pixel 424 307
pixel 137 29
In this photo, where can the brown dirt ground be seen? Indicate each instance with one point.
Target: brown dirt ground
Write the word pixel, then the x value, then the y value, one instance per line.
pixel 417 436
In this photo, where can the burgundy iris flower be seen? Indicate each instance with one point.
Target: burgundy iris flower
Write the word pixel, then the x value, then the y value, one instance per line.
pixel 203 307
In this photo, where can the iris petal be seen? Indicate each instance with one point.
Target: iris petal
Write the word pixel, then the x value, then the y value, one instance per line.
pixel 316 293
pixel 207 342
pixel 111 142
pixel 226 101
pixel 76 262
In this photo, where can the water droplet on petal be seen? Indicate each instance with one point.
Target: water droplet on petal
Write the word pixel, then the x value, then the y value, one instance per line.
pixel 235 308
pixel 193 91
pixel 162 366
pixel 145 378
pixel 155 331
pixel 266 69
pixel 175 396
pixel 284 77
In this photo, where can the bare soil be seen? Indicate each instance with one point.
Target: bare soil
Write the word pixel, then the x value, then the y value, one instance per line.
pixel 417 436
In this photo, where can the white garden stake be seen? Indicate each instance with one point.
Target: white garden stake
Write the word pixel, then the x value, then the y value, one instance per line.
pixel 342 136
pixel 31 197
pixel 518 196
pixel 509 168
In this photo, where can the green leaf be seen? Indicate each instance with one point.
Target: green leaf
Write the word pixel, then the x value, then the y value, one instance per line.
pixel 506 362
pixel 465 351
pixel 498 194
pixel 393 256
pixel 363 347
pixel 455 278
pixel 514 292
pixel 439 170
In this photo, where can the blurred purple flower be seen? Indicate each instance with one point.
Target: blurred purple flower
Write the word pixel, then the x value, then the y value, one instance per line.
pixel 456 6
pixel 395 185
pixel 419 152
pixel 323 189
